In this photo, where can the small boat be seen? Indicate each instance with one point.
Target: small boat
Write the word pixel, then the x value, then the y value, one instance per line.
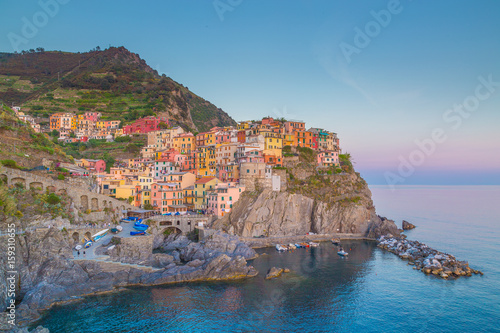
pixel 137 233
pixel 126 220
pixel 280 248
pixel 342 253
pixel 298 246
pixel 291 246
pixel 116 230
pixel 87 244
pixel 304 244
pixel 313 244
pixel 119 227
pixel 336 241
pixel 141 227
pixel 78 247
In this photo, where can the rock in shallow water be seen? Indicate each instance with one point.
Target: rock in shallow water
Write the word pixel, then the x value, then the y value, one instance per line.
pixel 407 225
pixel 274 272
pixel 426 259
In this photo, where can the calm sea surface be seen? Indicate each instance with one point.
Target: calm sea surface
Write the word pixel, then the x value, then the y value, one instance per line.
pixel 371 291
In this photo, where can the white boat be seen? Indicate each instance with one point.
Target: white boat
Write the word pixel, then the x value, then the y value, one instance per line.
pixel 99 235
pixel 342 253
pixel 78 247
pixel 291 246
pixel 313 244
pixel 280 247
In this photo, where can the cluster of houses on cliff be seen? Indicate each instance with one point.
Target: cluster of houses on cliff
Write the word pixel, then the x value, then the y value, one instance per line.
pixel 88 125
pixel 179 171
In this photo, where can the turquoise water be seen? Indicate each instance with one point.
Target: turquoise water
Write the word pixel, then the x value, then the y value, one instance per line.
pixel 371 291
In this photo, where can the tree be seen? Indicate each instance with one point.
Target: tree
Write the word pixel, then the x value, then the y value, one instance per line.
pixel 132 148
pixel 148 206
pixel 162 125
pixel 110 161
pixel 55 133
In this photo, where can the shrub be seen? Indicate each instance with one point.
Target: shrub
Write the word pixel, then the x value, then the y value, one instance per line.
pixel 52 199
pixel 125 138
pixel 10 164
pixel 60 176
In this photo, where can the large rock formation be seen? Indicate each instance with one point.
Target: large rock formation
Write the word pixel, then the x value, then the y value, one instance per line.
pixel 47 273
pixel 345 207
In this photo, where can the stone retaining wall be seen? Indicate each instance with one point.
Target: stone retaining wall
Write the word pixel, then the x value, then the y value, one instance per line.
pixel 83 199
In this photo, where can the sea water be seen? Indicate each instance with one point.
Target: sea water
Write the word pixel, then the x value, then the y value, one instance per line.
pixel 370 291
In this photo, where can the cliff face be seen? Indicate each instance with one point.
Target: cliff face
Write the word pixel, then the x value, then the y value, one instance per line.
pixel 342 204
pixel 47 272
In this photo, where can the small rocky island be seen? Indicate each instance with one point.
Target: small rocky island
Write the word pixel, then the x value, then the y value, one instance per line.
pixel 426 259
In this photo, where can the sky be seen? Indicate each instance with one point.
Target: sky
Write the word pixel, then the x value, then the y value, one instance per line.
pixel 411 87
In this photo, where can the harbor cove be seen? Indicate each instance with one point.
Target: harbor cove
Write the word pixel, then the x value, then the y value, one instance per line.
pixel 372 290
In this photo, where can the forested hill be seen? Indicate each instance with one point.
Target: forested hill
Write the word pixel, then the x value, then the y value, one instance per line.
pixel 115 82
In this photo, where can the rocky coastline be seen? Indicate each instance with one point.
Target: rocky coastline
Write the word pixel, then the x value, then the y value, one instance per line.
pixel 49 274
pixel 426 259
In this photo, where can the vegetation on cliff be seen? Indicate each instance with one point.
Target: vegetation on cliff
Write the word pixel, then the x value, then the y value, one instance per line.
pixel 335 184
pixel 20 202
pixel 21 146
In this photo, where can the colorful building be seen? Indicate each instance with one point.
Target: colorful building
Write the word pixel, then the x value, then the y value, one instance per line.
pixel 145 125
pixel 220 201
pixel 201 189
pixel 167 197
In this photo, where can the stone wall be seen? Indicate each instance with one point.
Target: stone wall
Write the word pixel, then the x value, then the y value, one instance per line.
pixel 83 199
pixel 133 249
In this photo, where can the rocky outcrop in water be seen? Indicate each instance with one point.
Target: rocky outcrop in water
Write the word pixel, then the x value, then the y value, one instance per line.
pixel 426 259
pixel 47 273
pixel 274 272
pixel 407 225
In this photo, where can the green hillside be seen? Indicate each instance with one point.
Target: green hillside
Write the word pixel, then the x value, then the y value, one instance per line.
pixel 21 147
pixel 115 82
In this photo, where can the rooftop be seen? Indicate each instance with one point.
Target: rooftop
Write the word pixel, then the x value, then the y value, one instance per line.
pixel 204 180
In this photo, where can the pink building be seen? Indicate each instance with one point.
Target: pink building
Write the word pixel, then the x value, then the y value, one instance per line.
pixel 92 116
pixel 167 197
pixel 145 125
pixel 292 126
pixel 328 158
pixel 221 200
pixel 96 165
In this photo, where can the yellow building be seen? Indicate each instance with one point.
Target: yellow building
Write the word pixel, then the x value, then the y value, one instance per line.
pixel 145 183
pixel 201 189
pixel 206 161
pixel 243 125
pixel 288 139
pixel 184 143
pixel 210 138
pixel 273 143
pixel 125 191
pixel 74 123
